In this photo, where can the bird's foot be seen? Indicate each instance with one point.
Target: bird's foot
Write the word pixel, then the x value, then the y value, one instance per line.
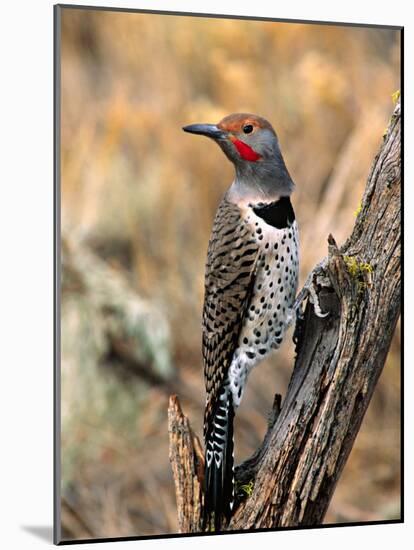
pixel 309 291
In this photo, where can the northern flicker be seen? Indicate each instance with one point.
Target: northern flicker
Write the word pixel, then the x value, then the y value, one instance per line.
pixel 250 286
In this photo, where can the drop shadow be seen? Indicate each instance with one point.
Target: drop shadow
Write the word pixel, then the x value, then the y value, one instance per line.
pixel 44 532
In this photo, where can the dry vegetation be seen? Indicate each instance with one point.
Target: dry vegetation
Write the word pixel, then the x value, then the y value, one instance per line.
pixel 138 198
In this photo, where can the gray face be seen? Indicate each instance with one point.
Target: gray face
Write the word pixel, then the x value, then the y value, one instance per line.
pixel 262 142
pixel 259 145
pixel 251 144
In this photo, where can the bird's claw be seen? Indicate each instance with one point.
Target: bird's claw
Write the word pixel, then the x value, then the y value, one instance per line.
pixel 309 290
pixel 316 304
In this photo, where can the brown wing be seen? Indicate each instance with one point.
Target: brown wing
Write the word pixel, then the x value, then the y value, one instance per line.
pixel 230 273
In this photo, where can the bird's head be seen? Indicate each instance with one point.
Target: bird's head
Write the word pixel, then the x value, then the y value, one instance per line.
pixel 251 143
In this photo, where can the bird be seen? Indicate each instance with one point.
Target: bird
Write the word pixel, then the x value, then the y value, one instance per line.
pixel 251 278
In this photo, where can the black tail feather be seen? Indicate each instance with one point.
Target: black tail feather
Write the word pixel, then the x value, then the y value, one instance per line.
pixel 219 471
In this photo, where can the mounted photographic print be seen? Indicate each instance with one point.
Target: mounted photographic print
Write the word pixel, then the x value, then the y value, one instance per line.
pixel 228 274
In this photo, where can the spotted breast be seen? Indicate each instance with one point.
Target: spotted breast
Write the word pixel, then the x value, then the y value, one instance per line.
pixel 274 228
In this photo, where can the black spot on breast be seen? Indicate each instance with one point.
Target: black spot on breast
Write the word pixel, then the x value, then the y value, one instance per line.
pixel 278 214
pixel 250 354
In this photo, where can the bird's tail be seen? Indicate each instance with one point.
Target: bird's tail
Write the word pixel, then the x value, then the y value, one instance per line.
pixel 219 471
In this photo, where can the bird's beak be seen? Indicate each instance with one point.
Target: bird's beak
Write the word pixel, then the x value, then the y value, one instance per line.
pixel 209 130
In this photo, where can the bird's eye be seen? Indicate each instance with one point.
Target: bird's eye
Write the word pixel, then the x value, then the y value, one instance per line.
pixel 248 128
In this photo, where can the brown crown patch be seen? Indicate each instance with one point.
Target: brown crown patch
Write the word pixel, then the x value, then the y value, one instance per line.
pixel 234 123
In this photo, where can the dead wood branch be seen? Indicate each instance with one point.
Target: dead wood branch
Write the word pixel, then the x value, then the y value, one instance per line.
pixel 186 457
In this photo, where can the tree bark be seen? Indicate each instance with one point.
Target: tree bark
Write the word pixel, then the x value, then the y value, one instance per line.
pixel 187 460
pixel 339 359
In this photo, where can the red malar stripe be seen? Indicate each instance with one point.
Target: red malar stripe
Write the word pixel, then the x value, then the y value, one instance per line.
pixel 246 152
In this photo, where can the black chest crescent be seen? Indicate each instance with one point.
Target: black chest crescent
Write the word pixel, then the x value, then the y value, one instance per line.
pixel 278 214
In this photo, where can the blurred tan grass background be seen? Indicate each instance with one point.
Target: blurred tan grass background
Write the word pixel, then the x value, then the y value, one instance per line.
pixel 138 199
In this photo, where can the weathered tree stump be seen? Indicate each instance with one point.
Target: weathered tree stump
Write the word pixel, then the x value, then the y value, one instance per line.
pixel 339 360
